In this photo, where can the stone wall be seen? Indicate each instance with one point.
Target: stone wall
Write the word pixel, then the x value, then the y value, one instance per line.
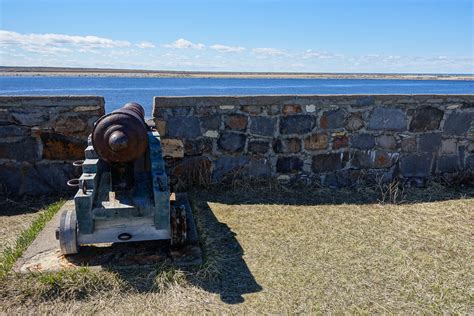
pixel 40 137
pixel 339 140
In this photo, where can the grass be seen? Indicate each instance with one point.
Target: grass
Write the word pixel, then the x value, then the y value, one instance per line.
pixel 11 253
pixel 312 250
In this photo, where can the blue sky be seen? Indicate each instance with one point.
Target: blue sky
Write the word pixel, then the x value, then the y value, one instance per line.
pixel 303 36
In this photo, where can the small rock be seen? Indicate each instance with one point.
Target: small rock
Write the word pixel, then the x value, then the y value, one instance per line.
pixel 212 134
pixel 311 108
pixel 227 107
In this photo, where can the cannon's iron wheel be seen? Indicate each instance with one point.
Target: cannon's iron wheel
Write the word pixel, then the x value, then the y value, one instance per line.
pixel 178 225
pixel 67 233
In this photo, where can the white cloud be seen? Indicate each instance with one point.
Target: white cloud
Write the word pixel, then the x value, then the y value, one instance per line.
pixel 182 44
pixel 227 49
pixel 145 45
pixel 56 43
pixel 269 51
pixel 317 54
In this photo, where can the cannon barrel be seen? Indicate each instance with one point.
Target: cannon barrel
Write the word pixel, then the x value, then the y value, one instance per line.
pixel 121 136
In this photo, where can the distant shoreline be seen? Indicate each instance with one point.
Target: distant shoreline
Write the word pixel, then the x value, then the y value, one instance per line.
pixel 85 72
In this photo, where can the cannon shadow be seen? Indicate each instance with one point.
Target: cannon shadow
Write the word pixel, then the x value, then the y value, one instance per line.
pixel 223 270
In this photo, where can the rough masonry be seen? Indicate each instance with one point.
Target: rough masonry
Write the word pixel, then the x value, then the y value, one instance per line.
pixel 338 140
pixel 40 137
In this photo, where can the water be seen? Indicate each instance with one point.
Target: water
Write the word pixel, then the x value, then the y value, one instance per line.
pixel 118 91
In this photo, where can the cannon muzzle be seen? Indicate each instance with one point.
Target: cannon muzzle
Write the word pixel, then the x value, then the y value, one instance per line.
pixel 121 136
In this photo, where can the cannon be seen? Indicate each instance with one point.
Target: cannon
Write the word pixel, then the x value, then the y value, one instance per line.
pixel 123 193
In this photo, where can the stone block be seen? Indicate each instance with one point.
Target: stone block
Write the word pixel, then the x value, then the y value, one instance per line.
pixel 373 159
pixel 273 109
pixel 258 146
pixel 60 147
pixel 193 147
pixel 72 126
pixel 389 119
pixel 183 127
pixel 289 164
pixel 448 146
pixel 20 149
pixel 252 109
pixel 229 167
pixel 227 107
pixel 263 126
pixel 316 142
pixel 354 122
pixel 333 119
pixel 416 165
pixel 259 168
pixel 470 163
pixel 212 122
pixel 329 162
pixel 425 119
pixel 458 123
pixel 232 142
pixel 161 127
pixel 290 145
pixel 408 144
pixel 340 141
pixel 448 164
pixel 13 131
pixel 29 116
pixel 236 122
pixel 362 141
pixel 387 141
pixel 173 148
pixel 297 124
pixel 429 142
pixel 365 101
pixel 204 110
pixel 291 109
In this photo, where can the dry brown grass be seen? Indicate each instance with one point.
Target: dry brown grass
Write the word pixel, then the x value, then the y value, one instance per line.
pixel 278 251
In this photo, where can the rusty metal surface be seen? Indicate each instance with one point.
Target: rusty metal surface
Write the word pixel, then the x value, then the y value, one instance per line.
pixel 121 136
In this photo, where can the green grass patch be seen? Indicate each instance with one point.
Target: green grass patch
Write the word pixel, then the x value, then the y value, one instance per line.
pixel 11 254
